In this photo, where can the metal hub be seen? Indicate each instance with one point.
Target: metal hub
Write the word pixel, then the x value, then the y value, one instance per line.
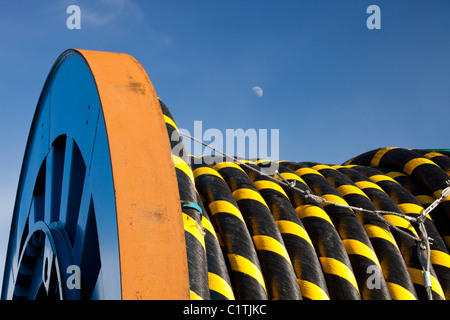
pixel 44 267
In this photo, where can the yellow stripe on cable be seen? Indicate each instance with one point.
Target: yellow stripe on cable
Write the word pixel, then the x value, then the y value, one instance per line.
pixel 334 199
pixel 290 227
pixel 303 171
pixel 374 231
pixel 194 296
pixel 290 176
pixel 227 165
pixel 180 164
pixel 425 199
pixel 430 155
pixel 396 174
pixel 367 184
pixel 380 177
pixel 417 278
pixel 245 193
pixel 437 194
pixel 319 167
pixel 307 210
pixel 267 243
pixel 225 206
pixel 206 224
pixel 242 264
pixel 312 291
pixel 353 246
pixel 336 267
pixel 399 293
pixel 349 189
pixel 412 208
pixel 170 121
pixel 440 258
pixel 264 184
pixel 401 223
pixel 377 157
pixel 219 285
pixel 191 226
pixel 206 170
pixel 414 163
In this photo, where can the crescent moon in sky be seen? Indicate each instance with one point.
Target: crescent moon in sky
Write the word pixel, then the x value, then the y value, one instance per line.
pixel 258 91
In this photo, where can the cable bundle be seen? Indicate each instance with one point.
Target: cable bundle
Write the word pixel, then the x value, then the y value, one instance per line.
pixel 251 237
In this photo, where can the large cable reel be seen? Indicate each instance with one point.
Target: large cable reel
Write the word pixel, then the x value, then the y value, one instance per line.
pixel 109 206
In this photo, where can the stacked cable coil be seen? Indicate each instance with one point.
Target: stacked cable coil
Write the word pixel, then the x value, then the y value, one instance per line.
pixel 249 237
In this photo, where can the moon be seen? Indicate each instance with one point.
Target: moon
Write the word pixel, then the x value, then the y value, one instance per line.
pixel 258 91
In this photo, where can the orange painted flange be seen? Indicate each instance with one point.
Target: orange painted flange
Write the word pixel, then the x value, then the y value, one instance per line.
pixel 152 250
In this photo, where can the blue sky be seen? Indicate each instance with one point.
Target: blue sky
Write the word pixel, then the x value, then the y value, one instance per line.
pixel 332 87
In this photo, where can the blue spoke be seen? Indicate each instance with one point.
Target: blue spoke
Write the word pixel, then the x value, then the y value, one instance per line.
pixel 66 177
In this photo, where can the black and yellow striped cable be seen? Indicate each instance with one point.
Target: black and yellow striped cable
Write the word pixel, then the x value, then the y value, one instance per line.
pixel 336 266
pixel 220 287
pixel 192 217
pixel 440 258
pixel 277 268
pixel 438 157
pixel 245 269
pixel 405 244
pixel 352 233
pixel 405 203
pixel 298 243
pixel 441 224
pixel 249 236
pixel 422 169
pixel 434 179
pixel 391 260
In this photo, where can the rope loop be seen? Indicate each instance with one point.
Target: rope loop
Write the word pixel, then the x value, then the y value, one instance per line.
pixel 423 249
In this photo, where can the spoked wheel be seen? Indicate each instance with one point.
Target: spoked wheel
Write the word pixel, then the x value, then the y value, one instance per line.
pixel 97 207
